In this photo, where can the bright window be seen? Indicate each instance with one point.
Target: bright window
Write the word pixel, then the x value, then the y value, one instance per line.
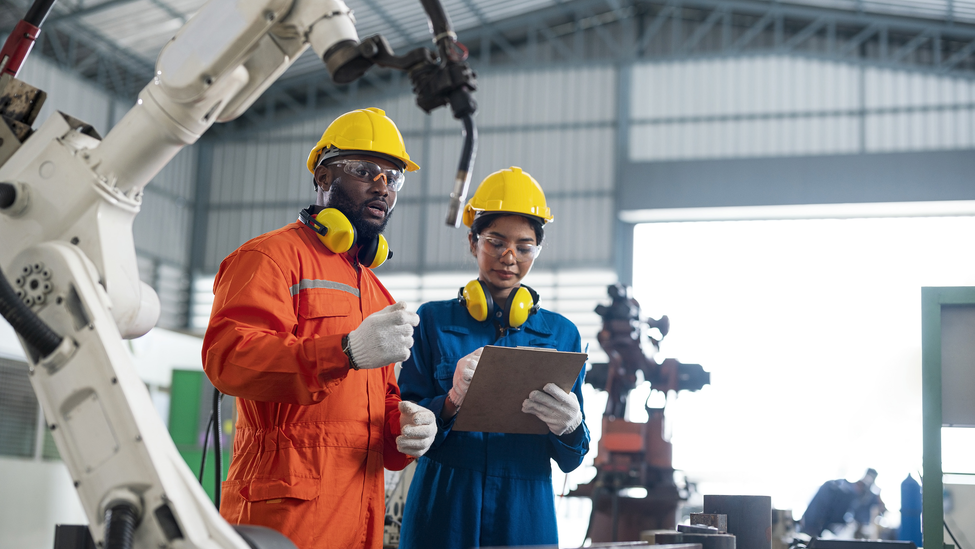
pixel 811 330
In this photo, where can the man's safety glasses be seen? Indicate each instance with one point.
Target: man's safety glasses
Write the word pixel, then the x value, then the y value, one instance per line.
pixel 497 248
pixel 370 171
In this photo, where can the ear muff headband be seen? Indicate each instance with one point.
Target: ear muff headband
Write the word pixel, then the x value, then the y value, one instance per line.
pixel 521 303
pixel 338 235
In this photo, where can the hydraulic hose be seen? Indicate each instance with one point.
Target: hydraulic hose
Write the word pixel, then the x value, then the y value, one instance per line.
pixel 438 18
pixel 206 444
pixel 38 12
pixel 120 522
pixel 463 179
pixel 217 461
pixel 35 331
pixel 8 194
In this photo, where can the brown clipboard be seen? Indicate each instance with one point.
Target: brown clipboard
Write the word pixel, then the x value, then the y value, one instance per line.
pixel 504 378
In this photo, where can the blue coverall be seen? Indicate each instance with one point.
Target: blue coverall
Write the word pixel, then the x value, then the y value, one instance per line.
pixel 482 489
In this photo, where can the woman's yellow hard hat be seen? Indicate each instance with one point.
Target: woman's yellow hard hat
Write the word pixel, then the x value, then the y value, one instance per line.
pixel 366 131
pixel 508 191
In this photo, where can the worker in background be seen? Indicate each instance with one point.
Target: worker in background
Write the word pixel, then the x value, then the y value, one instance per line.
pixel 839 502
pixel 305 335
pixel 491 489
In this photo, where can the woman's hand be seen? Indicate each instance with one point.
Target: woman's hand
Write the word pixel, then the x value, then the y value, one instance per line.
pixel 558 409
pixel 463 374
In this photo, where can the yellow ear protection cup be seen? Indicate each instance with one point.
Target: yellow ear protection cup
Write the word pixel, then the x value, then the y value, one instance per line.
pixel 375 252
pixel 334 229
pixel 478 301
pixel 338 235
pixel 521 303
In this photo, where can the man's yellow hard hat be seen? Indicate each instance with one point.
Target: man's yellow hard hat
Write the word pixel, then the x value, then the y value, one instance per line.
pixel 367 131
pixel 508 191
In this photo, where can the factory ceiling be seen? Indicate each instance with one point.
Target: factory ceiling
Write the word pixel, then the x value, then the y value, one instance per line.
pixel 114 43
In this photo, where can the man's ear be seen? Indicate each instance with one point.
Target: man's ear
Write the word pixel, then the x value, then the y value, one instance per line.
pixel 470 240
pixel 323 178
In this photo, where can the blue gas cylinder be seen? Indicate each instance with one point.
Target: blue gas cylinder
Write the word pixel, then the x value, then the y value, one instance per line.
pixel 911 505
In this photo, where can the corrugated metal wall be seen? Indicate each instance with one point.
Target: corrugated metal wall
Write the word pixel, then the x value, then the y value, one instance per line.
pixel 162 230
pixel 558 124
pixel 785 106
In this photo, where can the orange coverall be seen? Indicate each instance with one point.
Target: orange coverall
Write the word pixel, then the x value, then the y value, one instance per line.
pixel 313 435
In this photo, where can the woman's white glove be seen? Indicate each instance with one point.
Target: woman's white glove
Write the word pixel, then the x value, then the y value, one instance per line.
pixel 463 373
pixel 419 427
pixel 557 408
pixel 384 337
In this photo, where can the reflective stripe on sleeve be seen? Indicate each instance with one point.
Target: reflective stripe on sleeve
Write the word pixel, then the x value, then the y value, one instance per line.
pixel 307 284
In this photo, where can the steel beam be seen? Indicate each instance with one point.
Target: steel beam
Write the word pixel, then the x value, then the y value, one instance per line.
pixel 748 27
pixel 703 29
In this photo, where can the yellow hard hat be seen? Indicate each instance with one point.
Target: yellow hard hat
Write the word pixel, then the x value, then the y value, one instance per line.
pixel 367 131
pixel 511 191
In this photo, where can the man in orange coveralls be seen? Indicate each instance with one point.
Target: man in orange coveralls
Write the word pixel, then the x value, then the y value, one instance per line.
pixel 304 334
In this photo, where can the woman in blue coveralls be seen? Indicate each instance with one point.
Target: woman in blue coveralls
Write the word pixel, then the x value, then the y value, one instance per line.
pixel 491 489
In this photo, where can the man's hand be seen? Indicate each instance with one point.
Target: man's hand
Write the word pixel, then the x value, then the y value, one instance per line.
pixel 463 373
pixel 419 427
pixel 384 337
pixel 558 409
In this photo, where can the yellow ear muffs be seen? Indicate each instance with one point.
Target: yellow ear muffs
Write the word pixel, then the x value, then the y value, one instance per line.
pixel 375 252
pixel 478 302
pixel 338 235
pixel 520 305
pixel 333 228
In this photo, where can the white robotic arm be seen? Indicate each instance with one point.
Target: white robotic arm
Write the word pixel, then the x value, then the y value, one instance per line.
pixel 68 200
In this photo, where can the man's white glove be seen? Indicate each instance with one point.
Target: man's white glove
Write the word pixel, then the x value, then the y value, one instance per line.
pixel 558 409
pixel 463 374
pixel 384 337
pixel 419 427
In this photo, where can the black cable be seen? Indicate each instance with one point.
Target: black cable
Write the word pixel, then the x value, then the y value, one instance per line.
pixel 38 12
pixel 28 325
pixel 439 21
pixel 120 522
pixel 206 443
pixel 217 433
pixel 945 522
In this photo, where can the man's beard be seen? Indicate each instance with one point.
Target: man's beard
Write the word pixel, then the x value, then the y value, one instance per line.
pixel 364 230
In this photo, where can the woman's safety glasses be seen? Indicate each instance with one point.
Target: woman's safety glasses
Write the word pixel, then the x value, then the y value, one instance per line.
pixel 497 248
pixel 370 171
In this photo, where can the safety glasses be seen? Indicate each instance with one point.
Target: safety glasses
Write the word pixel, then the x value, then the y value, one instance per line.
pixel 367 171
pixel 497 248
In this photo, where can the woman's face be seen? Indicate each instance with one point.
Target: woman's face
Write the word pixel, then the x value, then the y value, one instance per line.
pixel 502 274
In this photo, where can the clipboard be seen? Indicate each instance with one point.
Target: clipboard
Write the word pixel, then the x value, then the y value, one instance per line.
pixel 504 378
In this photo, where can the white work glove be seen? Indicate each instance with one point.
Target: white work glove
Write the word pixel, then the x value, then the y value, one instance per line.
pixel 384 337
pixel 558 409
pixel 419 428
pixel 463 374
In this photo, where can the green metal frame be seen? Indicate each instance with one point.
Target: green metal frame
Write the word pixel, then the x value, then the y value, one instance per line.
pixel 932 300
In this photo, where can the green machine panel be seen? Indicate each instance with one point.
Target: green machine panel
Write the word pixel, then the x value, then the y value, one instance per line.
pixel 947 376
pixel 191 400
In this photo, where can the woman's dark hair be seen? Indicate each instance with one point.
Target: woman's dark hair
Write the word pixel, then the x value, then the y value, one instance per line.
pixel 484 221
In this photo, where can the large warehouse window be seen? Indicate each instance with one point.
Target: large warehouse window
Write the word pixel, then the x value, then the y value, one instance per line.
pixel 812 331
